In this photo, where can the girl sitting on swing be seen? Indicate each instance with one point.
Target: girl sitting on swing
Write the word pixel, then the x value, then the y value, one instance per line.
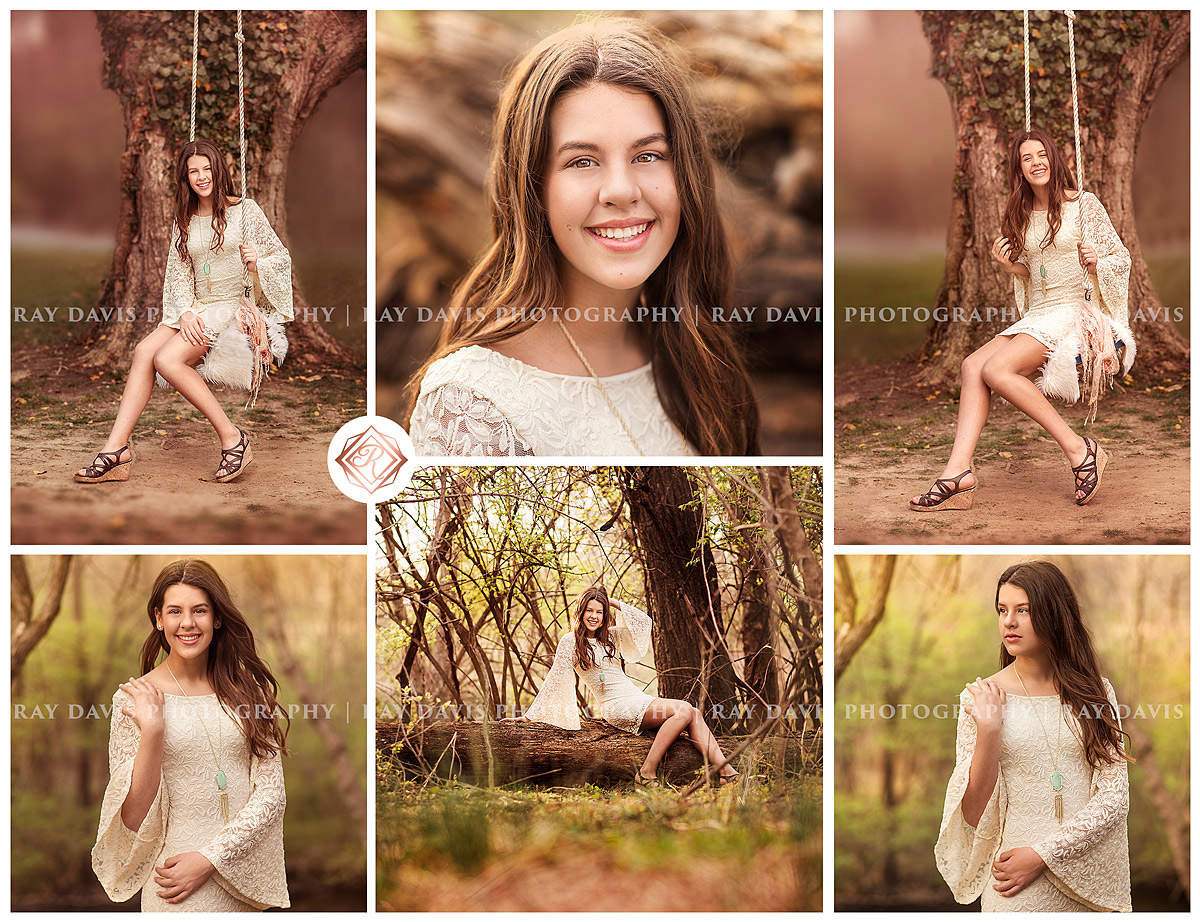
pixel 1052 235
pixel 205 325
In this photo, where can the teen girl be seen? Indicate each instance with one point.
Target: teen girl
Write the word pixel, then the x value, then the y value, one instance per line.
pixel 214 235
pixel 602 194
pixel 1035 811
pixel 1056 244
pixel 193 813
pixel 606 632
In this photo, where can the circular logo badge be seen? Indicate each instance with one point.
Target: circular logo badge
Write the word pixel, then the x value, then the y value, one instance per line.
pixel 371 459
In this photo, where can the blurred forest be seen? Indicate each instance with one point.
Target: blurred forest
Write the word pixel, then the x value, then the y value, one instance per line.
pixel 77 628
pixel 439 77
pixel 912 631
pixel 478 574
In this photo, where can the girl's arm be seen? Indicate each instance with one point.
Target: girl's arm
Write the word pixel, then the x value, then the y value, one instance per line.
pixel 179 283
pixel 146 710
pixel 273 277
pixel 453 420
pixel 986 709
pixel 1000 250
pixel 633 629
pixel 123 856
pixel 1112 262
pixel 555 703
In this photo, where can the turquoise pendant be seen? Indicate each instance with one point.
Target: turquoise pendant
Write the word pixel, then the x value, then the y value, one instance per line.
pixel 1055 781
pixel 221 780
pixel 1043 268
pixel 208 271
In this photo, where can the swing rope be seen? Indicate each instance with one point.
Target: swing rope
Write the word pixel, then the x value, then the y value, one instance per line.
pixel 195 56
pixel 1075 98
pixel 1026 46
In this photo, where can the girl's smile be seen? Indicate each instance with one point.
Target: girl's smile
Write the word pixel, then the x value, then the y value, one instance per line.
pixel 200 177
pixel 609 193
pixel 593 616
pixel 1035 163
pixel 187 620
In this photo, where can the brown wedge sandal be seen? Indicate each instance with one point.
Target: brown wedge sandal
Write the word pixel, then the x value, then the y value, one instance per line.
pixel 107 468
pixel 234 461
pixel 1089 472
pixel 946 493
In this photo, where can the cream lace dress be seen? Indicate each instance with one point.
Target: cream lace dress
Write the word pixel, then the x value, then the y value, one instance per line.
pixel 186 815
pixel 477 402
pixel 1053 318
pixel 230 361
pixel 622 703
pixel 1087 857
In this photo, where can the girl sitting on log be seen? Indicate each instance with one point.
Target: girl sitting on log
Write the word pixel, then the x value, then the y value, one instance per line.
pixel 587 326
pixel 607 631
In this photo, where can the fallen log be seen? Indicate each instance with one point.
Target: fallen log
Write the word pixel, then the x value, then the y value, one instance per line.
pixel 542 754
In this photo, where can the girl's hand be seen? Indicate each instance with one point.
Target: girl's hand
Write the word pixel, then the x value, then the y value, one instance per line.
pixel 987 708
pixel 182 875
pixel 1088 257
pixel 1001 249
pixel 191 328
pixel 1016 869
pixel 147 707
pixel 614 603
pixel 249 257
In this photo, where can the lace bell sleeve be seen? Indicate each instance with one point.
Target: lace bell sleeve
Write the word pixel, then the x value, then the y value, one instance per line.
pixel 555 703
pixel 1088 857
pixel 122 859
pixel 1112 271
pixel 248 854
pixel 179 282
pixel 273 284
pixel 633 630
pixel 453 420
pixel 965 853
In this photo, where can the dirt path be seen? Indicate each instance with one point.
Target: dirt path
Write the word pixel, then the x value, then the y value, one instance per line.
pixel 60 416
pixel 891 440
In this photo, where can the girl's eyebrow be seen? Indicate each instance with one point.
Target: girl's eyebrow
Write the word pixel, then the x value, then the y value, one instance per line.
pixel 589 147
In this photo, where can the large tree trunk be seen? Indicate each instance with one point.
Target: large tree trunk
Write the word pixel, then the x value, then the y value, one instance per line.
pixel 1123 59
pixel 690 654
pixel 291 60
pixel 596 754
pixel 30 626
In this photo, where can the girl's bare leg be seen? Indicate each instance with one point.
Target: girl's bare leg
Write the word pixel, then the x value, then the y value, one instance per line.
pixel 176 361
pixel 1007 373
pixel 974 402
pixel 139 384
pixel 672 717
pixel 702 738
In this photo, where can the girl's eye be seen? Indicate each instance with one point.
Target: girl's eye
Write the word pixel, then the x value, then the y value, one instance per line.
pixel 648 157
pixel 582 163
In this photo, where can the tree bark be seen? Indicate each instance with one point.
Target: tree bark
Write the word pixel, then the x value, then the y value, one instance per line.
pixel 1173 814
pixel 28 626
pixel 545 755
pixel 1122 59
pixel 682 594
pixel 291 59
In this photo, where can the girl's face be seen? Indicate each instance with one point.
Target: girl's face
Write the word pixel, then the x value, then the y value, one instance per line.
pixel 609 193
pixel 1035 163
pixel 593 616
pixel 1016 625
pixel 187 621
pixel 200 175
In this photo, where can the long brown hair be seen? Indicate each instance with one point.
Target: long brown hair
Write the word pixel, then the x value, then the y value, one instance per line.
pixel 186 200
pixel 605 634
pixel 1057 621
pixel 242 681
pixel 1020 194
pixel 698 368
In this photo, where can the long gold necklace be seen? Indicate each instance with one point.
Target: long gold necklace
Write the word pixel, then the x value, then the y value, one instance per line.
pixel 207 250
pixel 221 780
pixel 1055 776
pixel 603 391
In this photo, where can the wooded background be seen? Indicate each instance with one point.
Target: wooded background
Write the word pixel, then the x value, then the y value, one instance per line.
pixel 914 631
pixel 480 568
pixel 77 628
pixel 439 76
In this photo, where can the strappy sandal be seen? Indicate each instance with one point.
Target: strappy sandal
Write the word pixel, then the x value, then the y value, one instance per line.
pixel 234 461
pixel 642 781
pixel 106 467
pixel 729 779
pixel 1089 471
pixel 946 493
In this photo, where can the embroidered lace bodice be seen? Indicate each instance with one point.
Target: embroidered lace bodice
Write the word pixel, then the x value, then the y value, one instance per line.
pixel 622 704
pixel 477 402
pixel 1087 857
pixel 247 852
